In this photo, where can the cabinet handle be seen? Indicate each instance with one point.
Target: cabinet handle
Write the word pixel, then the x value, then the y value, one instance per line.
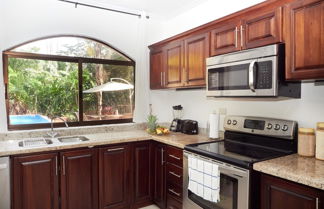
pixel 63 159
pixel 174 157
pixel 173 192
pixel 161 81
pixel 115 149
pixel 236 31
pixel 174 174
pixel 242 29
pixel 317 203
pixel 56 167
pixel 162 156
pixel 164 82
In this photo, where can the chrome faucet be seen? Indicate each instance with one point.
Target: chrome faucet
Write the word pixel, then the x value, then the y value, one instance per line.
pixel 52 134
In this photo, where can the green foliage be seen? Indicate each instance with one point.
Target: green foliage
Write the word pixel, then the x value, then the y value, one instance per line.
pixel 151 123
pixel 51 88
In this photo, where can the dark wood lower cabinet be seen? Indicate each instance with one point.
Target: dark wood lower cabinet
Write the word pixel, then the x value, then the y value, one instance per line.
pixel 143 167
pixel 277 193
pixel 159 175
pixel 35 182
pixel 79 179
pixel 114 177
pixel 121 176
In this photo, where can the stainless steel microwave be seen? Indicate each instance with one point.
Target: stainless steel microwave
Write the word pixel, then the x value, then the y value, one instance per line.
pixel 255 72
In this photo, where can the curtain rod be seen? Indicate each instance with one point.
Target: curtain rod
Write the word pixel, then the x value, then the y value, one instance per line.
pixel 103 8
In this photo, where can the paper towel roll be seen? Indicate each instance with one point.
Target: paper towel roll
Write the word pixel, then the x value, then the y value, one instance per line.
pixel 214 125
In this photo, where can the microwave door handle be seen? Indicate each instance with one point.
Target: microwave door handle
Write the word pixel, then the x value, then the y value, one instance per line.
pixel 251 75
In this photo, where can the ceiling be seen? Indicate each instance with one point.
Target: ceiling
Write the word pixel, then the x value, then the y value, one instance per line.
pixel 161 8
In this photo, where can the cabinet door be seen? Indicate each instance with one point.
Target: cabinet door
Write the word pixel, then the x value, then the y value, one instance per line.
pixel 196 52
pixel 304 38
pixel 173 65
pixel 114 177
pixel 156 69
pixel 282 194
pixel 262 29
pixel 79 179
pixel 225 38
pixel 35 182
pixel 159 175
pixel 142 173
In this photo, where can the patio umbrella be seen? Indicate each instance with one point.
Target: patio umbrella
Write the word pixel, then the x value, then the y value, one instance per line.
pixel 114 86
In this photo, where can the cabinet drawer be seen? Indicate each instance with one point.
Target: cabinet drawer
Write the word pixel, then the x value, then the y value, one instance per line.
pixel 174 191
pixel 174 155
pixel 174 174
pixel 173 203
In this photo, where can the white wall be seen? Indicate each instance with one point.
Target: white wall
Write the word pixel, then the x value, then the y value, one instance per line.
pixel 307 111
pixel 26 20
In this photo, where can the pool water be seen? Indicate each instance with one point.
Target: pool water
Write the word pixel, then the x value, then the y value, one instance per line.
pixel 28 119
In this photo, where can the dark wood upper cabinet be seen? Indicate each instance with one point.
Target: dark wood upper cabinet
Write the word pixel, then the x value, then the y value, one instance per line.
pixel 79 179
pixel 157 69
pixel 114 177
pixel 304 38
pixel 35 182
pixel 225 38
pixel 260 29
pixel 196 52
pixel 142 173
pixel 159 175
pixel 173 65
pixel 277 193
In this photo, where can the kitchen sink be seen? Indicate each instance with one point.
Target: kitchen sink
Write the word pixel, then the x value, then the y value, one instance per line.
pixel 37 142
pixel 70 139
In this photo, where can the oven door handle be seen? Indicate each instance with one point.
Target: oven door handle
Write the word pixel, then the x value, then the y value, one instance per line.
pixel 251 75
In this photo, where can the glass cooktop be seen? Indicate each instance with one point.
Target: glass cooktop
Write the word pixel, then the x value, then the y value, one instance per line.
pixel 234 152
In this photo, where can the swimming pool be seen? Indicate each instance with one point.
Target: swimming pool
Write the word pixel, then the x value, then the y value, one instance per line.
pixel 28 119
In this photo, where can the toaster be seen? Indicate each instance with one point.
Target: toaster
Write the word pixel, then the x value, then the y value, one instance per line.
pixel 189 127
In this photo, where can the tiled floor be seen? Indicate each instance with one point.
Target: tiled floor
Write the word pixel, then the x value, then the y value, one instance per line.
pixel 150 207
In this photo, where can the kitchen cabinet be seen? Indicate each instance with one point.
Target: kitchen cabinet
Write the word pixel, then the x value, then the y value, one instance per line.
pixel 252 30
pixel 303 35
pixel 114 177
pixel 79 179
pixel 180 64
pixel 196 51
pixel 157 69
pixel 225 38
pixel 172 77
pixel 159 175
pixel 143 167
pixel 174 177
pixel 261 28
pixel 35 182
pixel 277 193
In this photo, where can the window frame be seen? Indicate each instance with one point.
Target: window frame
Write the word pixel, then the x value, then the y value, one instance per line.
pixel 78 60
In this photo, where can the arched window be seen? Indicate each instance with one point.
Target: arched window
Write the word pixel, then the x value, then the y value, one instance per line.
pixel 82 80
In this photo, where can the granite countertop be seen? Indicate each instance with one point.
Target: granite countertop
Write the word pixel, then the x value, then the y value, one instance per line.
pixel 10 147
pixel 303 170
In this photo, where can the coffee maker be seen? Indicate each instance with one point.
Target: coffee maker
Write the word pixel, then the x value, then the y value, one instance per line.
pixel 176 124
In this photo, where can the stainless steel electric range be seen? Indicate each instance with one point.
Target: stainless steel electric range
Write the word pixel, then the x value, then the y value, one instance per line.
pixel 247 140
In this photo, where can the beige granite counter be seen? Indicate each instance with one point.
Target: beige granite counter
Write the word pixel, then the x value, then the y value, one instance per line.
pixel 303 170
pixel 10 147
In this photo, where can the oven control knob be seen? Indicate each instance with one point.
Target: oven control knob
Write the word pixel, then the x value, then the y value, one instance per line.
pixel 269 126
pixel 234 122
pixel 285 128
pixel 277 127
pixel 229 122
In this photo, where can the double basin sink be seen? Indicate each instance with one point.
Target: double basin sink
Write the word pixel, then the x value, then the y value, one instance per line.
pixel 48 141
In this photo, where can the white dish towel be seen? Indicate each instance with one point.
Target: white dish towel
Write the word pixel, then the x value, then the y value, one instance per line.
pixel 204 178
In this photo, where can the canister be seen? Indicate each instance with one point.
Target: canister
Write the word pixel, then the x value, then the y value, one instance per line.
pixel 320 141
pixel 306 142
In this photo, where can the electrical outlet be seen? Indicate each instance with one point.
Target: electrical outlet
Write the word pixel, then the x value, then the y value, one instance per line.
pixel 222 111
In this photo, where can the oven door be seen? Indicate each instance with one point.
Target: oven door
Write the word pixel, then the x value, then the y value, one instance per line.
pixel 234 188
pixel 253 77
